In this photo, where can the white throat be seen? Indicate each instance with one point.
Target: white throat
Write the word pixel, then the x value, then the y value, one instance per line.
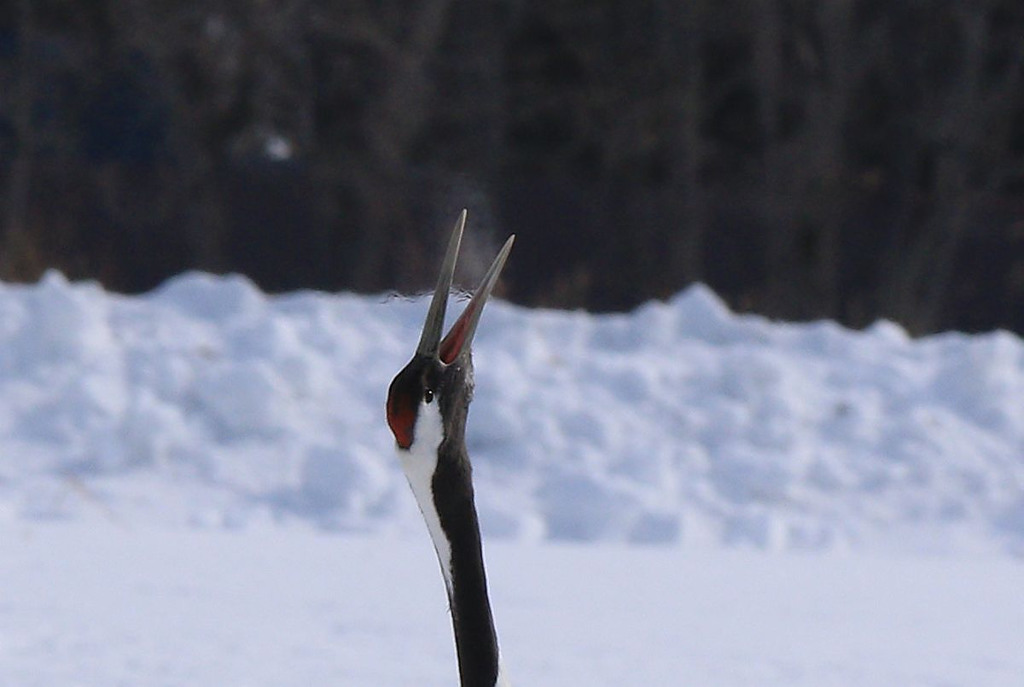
pixel 419 464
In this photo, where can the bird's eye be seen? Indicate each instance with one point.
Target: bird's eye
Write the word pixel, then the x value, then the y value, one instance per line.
pixel 428 395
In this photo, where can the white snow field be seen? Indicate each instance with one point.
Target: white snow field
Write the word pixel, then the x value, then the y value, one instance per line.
pixel 101 604
pixel 197 487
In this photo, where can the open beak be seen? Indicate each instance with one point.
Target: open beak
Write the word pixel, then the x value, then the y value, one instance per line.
pixel 460 336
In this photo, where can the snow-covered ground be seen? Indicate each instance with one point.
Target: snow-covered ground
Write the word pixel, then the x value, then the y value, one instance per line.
pixel 197 487
pixel 103 605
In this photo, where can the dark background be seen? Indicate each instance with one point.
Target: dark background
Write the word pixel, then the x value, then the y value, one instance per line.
pixel 850 159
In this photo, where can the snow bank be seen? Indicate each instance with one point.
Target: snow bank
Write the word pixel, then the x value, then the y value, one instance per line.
pixel 209 403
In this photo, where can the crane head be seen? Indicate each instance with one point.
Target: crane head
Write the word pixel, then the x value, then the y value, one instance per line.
pixel 439 377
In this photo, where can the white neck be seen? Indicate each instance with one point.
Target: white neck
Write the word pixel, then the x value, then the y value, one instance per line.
pixel 419 464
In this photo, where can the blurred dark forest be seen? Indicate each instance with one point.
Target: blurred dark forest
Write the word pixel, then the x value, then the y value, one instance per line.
pixel 851 159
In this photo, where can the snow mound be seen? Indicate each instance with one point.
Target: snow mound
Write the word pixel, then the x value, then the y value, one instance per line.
pixel 211 404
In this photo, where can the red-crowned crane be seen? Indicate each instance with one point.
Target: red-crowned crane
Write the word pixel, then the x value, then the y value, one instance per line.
pixel 426 409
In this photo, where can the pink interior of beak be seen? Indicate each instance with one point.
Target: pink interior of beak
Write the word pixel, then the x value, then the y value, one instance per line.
pixel 455 339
